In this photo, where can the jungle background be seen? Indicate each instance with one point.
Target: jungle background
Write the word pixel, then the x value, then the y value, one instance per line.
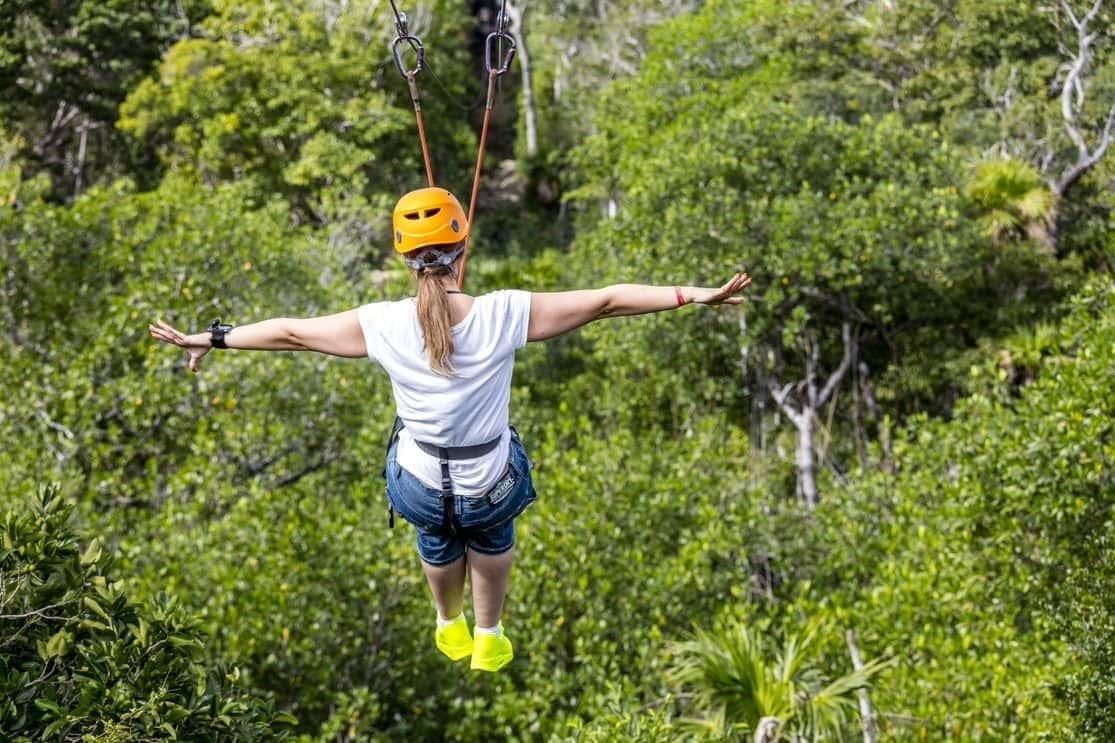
pixel 873 501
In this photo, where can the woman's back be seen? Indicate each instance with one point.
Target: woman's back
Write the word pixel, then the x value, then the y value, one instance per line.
pixel 467 408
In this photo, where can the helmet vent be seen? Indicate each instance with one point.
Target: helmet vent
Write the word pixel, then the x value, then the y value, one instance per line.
pixel 431 212
pixel 411 215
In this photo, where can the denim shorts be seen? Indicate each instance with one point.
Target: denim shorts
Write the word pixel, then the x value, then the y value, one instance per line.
pixel 485 523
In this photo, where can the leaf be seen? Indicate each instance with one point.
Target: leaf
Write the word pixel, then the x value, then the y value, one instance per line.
pixel 59 644
pixel 90 603
pixel 49 705
pixel 92 553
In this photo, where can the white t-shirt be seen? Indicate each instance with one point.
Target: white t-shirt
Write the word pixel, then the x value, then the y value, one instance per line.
pixel 470 407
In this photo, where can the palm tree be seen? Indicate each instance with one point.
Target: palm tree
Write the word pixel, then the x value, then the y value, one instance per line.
pixel 1015 202
pixel 736 689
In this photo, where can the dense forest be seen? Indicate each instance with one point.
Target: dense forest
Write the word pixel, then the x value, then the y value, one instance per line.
pixel 875 500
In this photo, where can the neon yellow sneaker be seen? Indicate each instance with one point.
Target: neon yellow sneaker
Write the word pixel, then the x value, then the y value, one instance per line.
pixel 491 652
pixel 454 639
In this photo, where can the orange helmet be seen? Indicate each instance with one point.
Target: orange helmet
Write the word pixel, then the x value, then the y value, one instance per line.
pixel 428 216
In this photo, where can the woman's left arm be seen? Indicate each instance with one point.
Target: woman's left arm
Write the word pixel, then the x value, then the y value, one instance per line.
pixel 336 335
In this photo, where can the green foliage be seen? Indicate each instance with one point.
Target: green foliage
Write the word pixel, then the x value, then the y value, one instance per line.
pixel 1014 200
pixel 1089 618
pixel 303 99
pixel 80 659
pixel 64 69
pixel 968 565
pixel 862 224
pixel 737 684
pixel 831 148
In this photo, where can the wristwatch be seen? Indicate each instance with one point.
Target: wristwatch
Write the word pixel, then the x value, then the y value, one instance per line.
pixel 217 333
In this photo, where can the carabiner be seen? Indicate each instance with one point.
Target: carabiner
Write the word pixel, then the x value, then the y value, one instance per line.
pixel 505 63
pixel 420 54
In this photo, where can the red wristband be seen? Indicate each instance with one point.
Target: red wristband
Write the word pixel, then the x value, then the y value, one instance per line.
pixel 681 299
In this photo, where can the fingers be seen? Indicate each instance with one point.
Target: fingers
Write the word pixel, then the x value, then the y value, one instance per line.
pixel 177 337
pixel 159 334
pixel 727 293
pixel 741 282
pixel 736 284
pixel 166 333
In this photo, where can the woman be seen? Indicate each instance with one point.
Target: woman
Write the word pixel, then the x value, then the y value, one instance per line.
pixel 456 470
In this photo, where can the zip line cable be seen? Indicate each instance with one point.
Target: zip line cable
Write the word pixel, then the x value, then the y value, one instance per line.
pixel 467 108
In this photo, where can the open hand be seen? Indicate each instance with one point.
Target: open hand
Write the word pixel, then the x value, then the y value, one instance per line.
pixel 196 345
pixel 727 294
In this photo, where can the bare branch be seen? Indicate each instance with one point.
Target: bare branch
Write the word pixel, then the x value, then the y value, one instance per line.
pixel 40 613
pixel 63 115
pixel 308 469
pixel 529 115
pixel 812 358
pixel 55 426
pixel 867 714
pixel 838 375
pixel 1073 96
pixel 779 395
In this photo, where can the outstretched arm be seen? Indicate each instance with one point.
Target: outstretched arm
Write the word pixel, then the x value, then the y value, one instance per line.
pixel 336 335
pixel 555 313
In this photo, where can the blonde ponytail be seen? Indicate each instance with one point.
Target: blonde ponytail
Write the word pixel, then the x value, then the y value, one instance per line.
pixel 435 319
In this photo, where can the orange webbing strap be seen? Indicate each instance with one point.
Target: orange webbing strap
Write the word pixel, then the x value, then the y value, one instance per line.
pixel 413 83
pixel 499 36
pixel 404 37
pixel 492 75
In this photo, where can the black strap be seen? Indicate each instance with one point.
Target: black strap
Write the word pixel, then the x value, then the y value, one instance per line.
pixel 217 331
pixel 447 499
pixel 444 454
pixel 395 428
pixel 455 453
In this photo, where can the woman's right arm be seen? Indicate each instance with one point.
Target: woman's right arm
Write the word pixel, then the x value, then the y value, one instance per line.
pixel 552 314
pixel 336 335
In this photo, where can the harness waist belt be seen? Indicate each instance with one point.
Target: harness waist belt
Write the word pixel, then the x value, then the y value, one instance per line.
pixel 454 453
pixel 444 454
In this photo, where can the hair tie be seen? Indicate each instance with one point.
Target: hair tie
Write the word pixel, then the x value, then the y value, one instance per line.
pixel 433 258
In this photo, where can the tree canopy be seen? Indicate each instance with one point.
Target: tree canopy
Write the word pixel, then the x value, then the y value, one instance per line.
pixel 876 499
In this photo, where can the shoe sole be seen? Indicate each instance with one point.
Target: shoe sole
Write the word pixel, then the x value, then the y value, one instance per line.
pixel 502 664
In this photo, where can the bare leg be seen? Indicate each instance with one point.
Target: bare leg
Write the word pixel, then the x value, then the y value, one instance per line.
pixel 489 575
pixel 447 584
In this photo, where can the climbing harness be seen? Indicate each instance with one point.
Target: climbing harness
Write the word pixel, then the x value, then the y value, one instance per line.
pixel 497 61
pixel 445 455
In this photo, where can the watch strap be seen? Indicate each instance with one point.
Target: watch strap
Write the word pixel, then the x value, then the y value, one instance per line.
pixel 217 332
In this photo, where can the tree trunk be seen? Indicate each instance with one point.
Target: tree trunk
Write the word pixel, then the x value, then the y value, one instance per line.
pixel 530 120
pixel 809 400
pixel 806 459
pixel 867 714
